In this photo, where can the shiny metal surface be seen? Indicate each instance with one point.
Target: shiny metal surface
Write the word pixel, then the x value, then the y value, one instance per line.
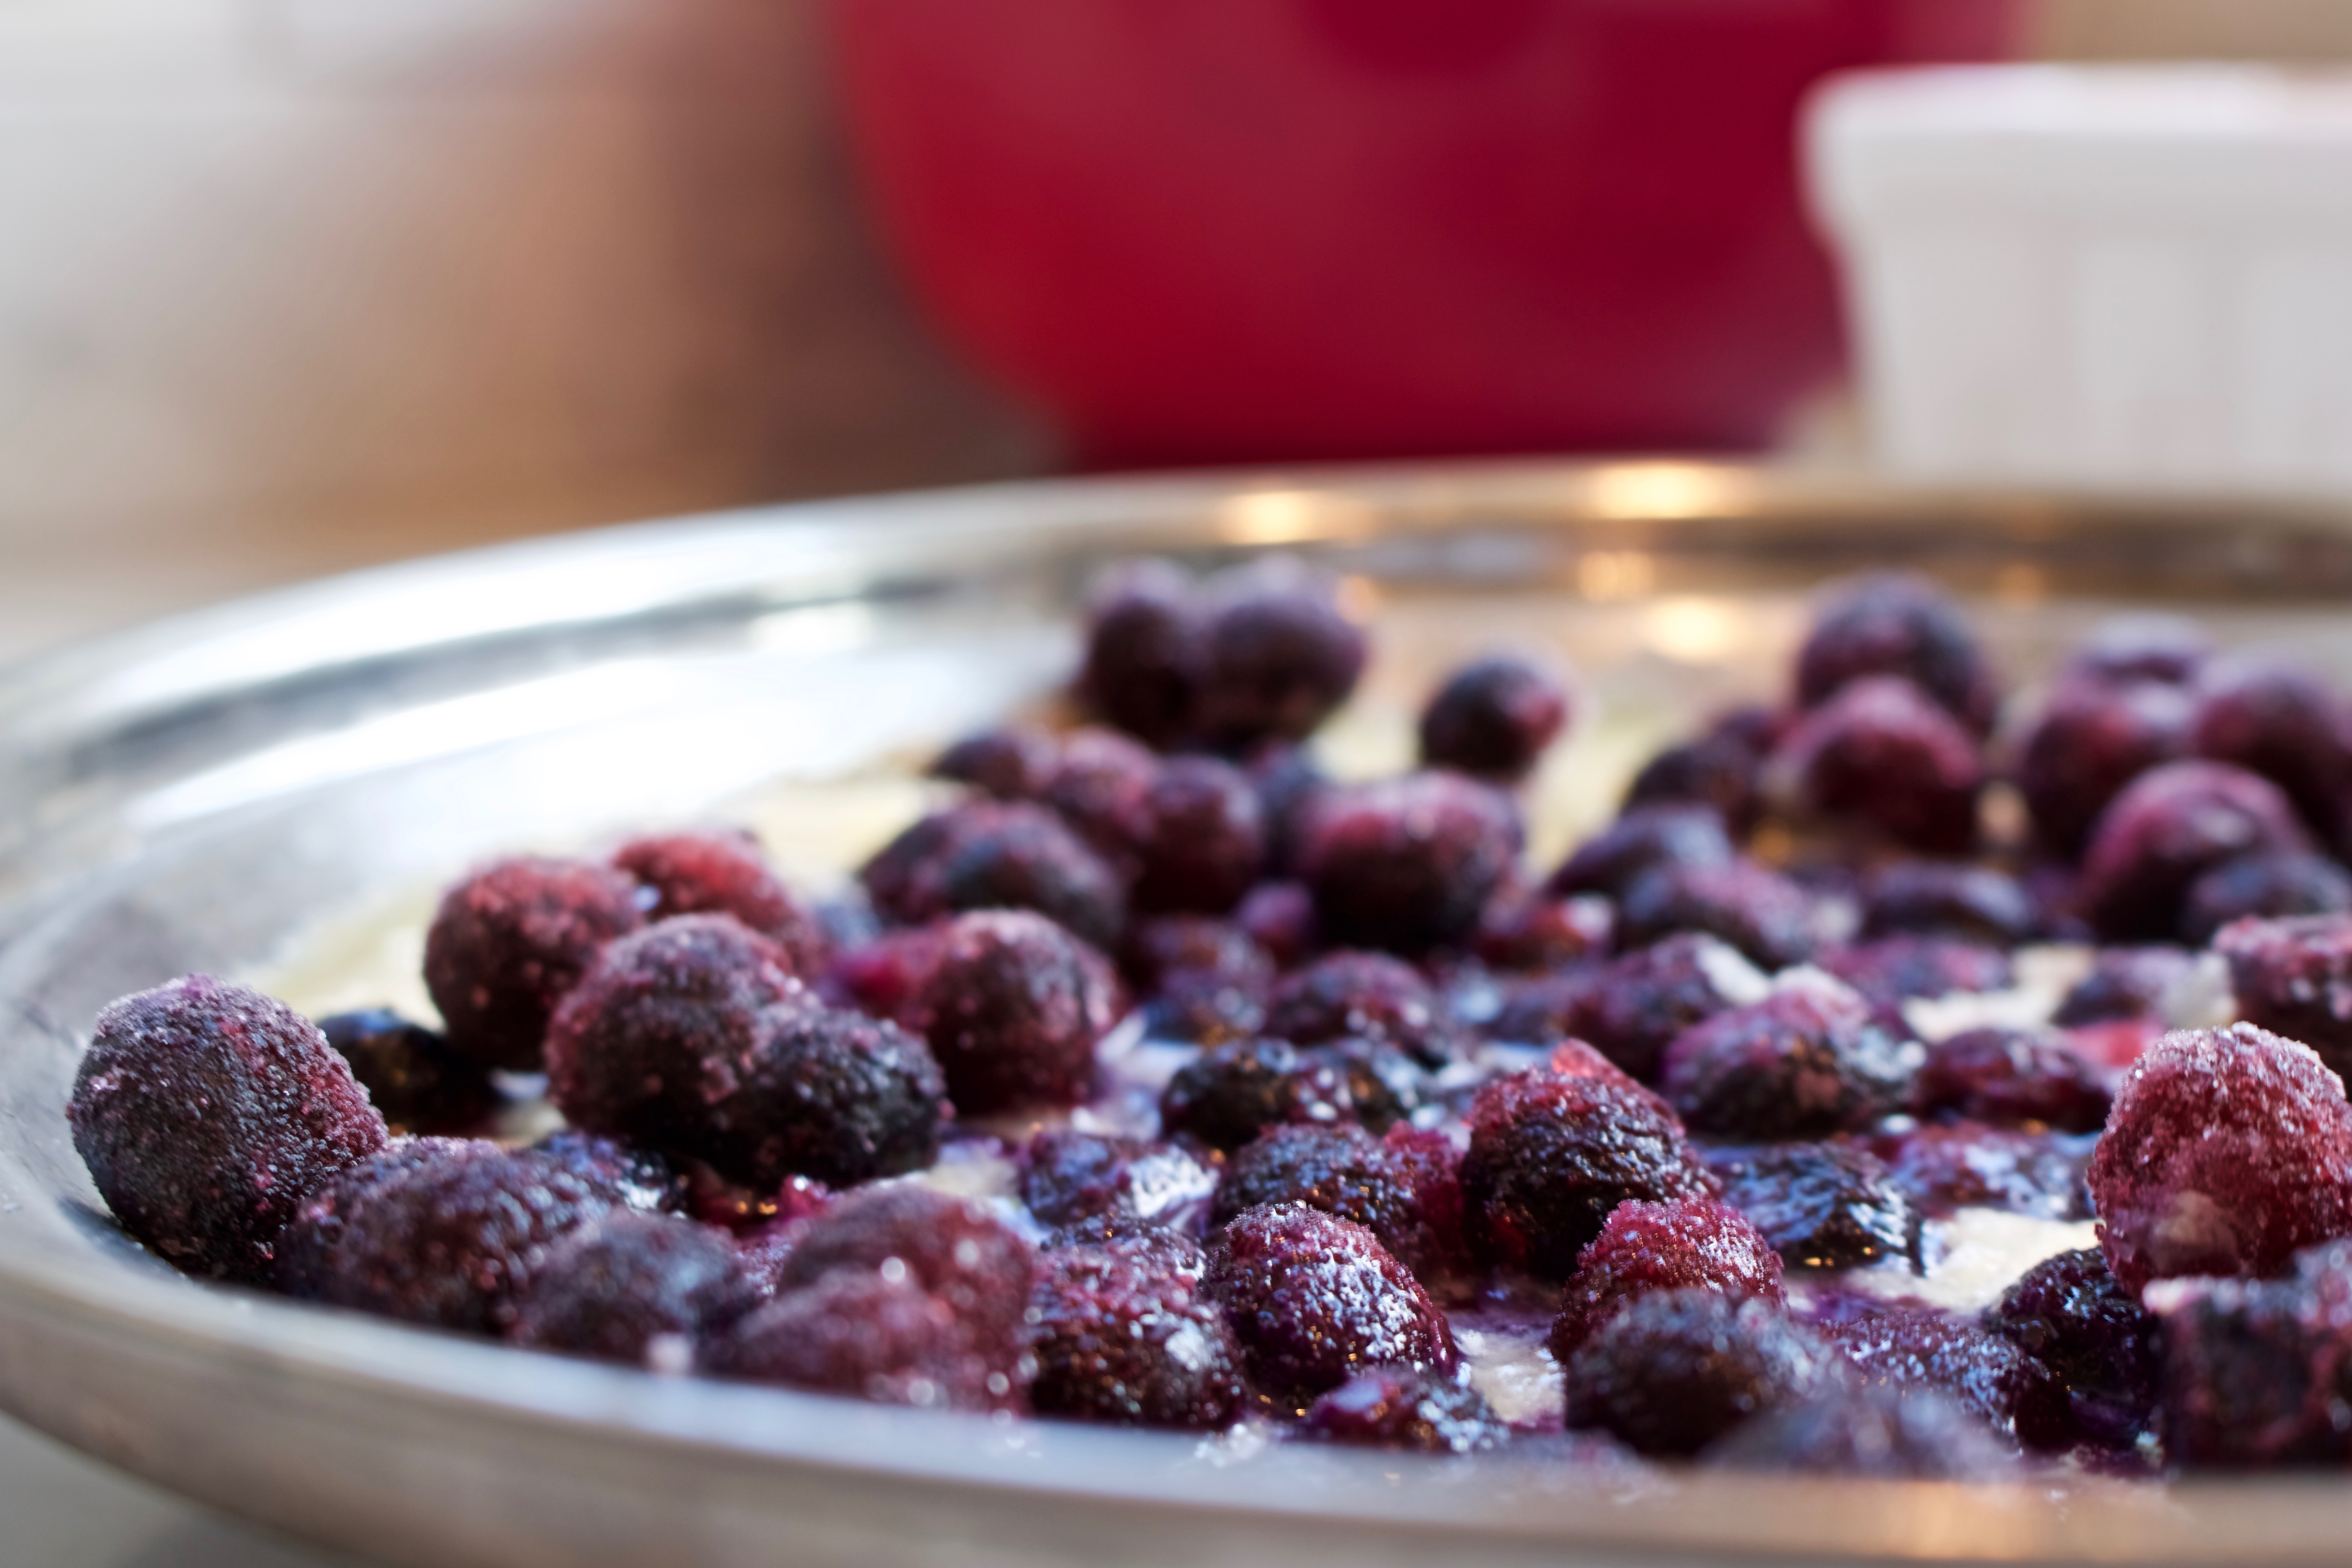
pixel 195 794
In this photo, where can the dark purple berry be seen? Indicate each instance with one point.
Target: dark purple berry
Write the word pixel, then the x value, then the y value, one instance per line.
pixel 509 942
pixel 2142 647
pixel 1911 1348
pixel 1384 1085
pixel 1392 1407
pixel 2227 1151
pixel 1883 752
pixel 1890 624
pixel 415 1079
pixel 1012 1006
pixel 623 1173
pixel 1493 718
pixel 1693 1244
pixel 1523 929
pixel 2293 977
pixel 2127 983
pixel 2068 1313
pixel 1288 783
pixel 207 1114
pixel 1893 969
pixel 1228 1094
pixel 985 855
pixel 1121 1335
pixel 1347 1172
pixel 1805 1061
pixel 2170 826
pixel 692 1036
pixel 1015 762
pixel 1644 839
pixel 1676 1369
pixel 1203 980
pixel 1314 1299
pixel 1763 914
pixel 1875 1430
pixel 1280 656
pixel 1280 918
pixel 2258 1372
pixel 724 874
pixel 1632 1008
pixel 1407 863
pixel 612 1289
pixel 1552 1152
pixel 1722 769
pixel 1967 1165
pixel 1145 656
pixel 1102 786
pixel 2092 739
pixel 2281 722
pixel 877 1336
pixel 1067 1176
pixel 1204 840
pixel 1832 1204
pixel 2271 886
pixel 950 1249
pixel 2010 1078
pixel 1942 898
pixel 1364 996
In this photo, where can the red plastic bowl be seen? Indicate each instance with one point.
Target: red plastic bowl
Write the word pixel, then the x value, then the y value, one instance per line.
pixel 1203 230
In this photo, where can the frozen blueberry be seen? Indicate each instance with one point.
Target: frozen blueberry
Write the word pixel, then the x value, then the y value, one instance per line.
pixel 1405 864
pixel 1881 752
pixel 2142 647
pixel 206 1113
pixel 2258 1372
pixel 986 855
pixel 1012 1006
pixel 610 1290
pixel 1364 996
pixel 1067 1176
pixel 1693 1244
pixel 2127 983
pixel 1493 718
pixel 415 1079
pixel 1919 1347
pixel 1676 1369
pixel 2274 885
pixel 1102 785
pixel 1013 761
pixel 1644 839
pixel 1288 783
pixel 1722 769
pixel 1893 969
pixel 436 1231
pixel 1314 1299
pixel 879 1336
pixel 2092 739
pixel 1394 1408
pixel 1891 624
pixel 1876 1430
pixel 1346 1170
pixel 509 942
pixel 2279 720
pixel 952 1249
pixel 1203 980
pixel 1121 1335
pixel 1552 1152
pixel 692 1036
pixel 1228 1094
pixel 2168 827
pixel 1947 898
pixel 724 874
pixel 1205 840
pixel 2227 1151
pixel 1805 1061
pixel 1764 915
pixel 1280 657
pixel 2010 1078
pixel 1632 1008
pixel 1144 655
pixel 1523 929
pixel 1946 1167
pixel 2068 1313
pixel 1831 1204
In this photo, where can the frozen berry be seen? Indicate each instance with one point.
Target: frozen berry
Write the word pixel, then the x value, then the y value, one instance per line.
pixel 2010 1078
pixel 2127 983
pixel 1882 751
pixel 1362 995
pixel 509 942
pixel 1632 1008
pixel 2068 1313
pixel 724 874
pixel 693 1038
pixel 1722 769
pixel 1676 1369
pixel 436 1231
pixel 879 1336
pixel 1406 863
pixel 1944 1167
pixel 1314 1299
pixel 206 1113
pixel 1875 1430
pixel 2142 647
pixel 1288 783
pixel 1394 1407
pixel 623 1173
pixel 2168 827
pixel 1890 624
pixel 953 1249
pixel 1919 1347
pixel 1015 762
pixel 1121 1335
pixel 1228 1094
pixel 1067 1176
pixel 1763 914
pixel 610 1290
pixel 1204 981
pixel 2255 1372
pixel 2090 740
pixel 2293 977
pixel 1644 839
pixel 1941 897
pixel 1384 1085
pixel 1280 656
pixel 1831 1204
pixel 1551 1154
pixel 2227 1151
pixel 1493 718
pixel 412 1076
pixel 1280 918
pixel 1205 839
pixel 2279 720
pixel 1893 969
pixel 2279 883
pixel 1693 1244
pixel 1012 1006
pixel 1144 655
pixel 1805 1061
pixel 985 855
pixel 1102 786
pixel 1346 1170
pixel 1523 929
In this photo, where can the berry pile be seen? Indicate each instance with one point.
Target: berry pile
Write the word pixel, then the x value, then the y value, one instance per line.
pixel 1158 1079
